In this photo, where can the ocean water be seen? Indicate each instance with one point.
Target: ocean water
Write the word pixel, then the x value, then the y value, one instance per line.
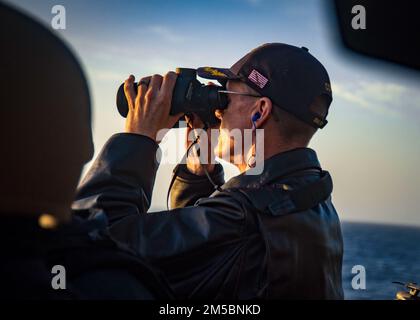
pixel 387 253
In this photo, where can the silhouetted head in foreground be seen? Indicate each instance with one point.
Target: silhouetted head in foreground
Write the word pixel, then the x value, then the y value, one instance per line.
pixel 45 120
pixel 45 138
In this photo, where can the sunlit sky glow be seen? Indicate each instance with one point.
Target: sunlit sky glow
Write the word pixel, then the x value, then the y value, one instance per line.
pixel 371 145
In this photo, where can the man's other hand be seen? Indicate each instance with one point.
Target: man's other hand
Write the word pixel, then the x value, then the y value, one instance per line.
pixel 194 164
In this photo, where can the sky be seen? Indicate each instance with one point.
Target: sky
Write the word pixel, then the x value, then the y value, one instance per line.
pixel 371 144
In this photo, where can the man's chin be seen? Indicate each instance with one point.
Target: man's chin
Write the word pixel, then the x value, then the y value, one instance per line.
pixel 218 152
pixel 225 154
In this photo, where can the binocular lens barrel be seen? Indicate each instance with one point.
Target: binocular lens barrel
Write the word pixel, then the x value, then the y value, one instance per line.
pixel 189 96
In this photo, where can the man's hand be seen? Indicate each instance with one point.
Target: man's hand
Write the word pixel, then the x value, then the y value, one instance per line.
pixel 193 161
pixel 148 111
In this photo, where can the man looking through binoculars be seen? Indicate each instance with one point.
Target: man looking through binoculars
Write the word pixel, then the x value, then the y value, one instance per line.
pixel 272 235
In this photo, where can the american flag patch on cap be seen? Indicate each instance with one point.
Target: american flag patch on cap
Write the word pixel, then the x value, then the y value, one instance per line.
pixel 258 78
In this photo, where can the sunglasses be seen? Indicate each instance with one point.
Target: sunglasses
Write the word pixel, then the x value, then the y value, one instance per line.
pixel 240 93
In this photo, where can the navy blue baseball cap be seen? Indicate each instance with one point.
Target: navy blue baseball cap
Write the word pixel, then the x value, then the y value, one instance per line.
pixel 290 76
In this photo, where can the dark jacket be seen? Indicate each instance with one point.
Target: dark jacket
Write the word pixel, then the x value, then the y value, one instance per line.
pixel 252 239
pixel 96 267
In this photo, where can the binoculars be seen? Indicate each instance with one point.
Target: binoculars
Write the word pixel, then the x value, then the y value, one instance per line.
pixel 189 96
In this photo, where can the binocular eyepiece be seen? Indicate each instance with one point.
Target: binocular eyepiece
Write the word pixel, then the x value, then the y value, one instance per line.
pixel 189 96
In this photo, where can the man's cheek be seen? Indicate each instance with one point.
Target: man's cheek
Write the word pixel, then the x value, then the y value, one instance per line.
pixel 227 122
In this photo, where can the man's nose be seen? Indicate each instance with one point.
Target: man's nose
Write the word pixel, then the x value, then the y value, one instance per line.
pixel 218 113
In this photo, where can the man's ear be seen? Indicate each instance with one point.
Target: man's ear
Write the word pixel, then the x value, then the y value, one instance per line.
pixel 264 107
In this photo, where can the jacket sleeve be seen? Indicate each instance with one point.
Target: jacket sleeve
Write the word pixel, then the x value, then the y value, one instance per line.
pixel 121 179
pixel 185 243
pixel 188 187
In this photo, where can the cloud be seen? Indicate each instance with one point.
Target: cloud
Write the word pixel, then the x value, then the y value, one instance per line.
pixel 166 34
pixel 384 92
pixel 343 92
pixel 385 98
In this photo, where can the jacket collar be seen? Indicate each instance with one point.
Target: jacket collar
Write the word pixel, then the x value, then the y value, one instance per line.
pixel 275 167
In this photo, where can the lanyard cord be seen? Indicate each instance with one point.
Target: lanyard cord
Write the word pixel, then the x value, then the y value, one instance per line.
pixel 184 160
